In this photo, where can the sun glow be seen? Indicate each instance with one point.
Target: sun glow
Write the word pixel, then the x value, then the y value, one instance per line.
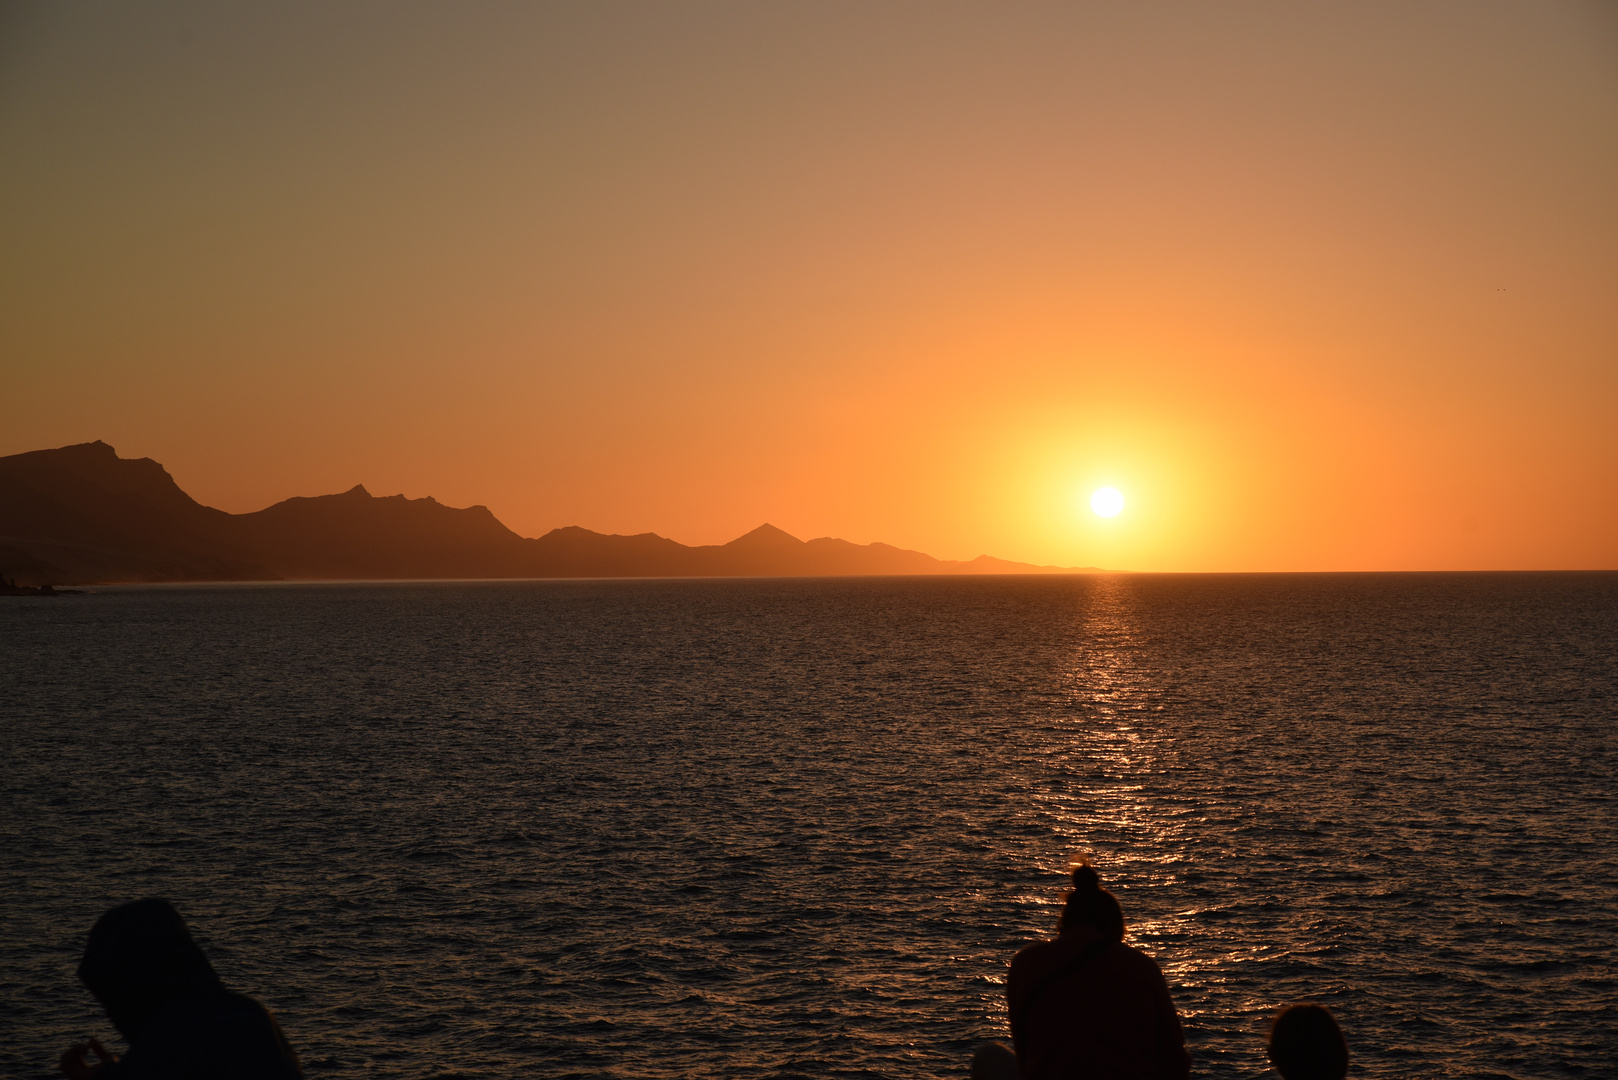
pixel 1107 502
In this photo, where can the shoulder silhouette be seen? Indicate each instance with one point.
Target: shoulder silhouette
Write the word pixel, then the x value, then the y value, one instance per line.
pixel 163 996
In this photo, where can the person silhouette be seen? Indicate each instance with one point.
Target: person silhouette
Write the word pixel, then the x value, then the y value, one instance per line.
pixel 1307 1044
pixel 162 995
pixel 1086 1004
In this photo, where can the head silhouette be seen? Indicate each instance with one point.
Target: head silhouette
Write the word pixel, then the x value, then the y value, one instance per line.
pixel 140 957
pixel 1091 905
pixel 1307 1044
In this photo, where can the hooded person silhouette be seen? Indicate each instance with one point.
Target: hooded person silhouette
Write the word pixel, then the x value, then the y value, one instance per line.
pixel 162 995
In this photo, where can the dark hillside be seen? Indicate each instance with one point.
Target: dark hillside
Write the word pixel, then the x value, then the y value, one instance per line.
pixel 356 535
pixel 576 552
pixel 83 515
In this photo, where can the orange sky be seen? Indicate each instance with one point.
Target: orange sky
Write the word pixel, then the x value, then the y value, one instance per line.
pixel 1324 288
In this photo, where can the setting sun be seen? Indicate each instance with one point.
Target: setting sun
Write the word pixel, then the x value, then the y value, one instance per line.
pixel 1107 501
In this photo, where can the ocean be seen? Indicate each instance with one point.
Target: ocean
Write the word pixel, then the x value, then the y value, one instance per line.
pixel 782 828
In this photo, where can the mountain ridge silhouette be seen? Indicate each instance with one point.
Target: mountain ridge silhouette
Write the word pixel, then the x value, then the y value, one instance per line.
pixel 81 515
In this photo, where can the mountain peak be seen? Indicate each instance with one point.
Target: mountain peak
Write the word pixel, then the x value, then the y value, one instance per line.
pixel 765 536
pixel 358 491
pixel 97 451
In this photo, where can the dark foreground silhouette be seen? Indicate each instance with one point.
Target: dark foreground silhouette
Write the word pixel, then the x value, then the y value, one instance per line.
pixel 82 514
pixel 162 995
pixel 1307 1044
pixel 1083 1005
pixel 1086 1004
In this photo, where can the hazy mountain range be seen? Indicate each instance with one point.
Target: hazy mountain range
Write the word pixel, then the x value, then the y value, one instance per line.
pixel 83 515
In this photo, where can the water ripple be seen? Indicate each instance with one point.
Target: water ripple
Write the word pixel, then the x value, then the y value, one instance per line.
pixel 658 829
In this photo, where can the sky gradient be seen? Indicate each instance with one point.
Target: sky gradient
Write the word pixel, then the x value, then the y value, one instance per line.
pixel 1317 288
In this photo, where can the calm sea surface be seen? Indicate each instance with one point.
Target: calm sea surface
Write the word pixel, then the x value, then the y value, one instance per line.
pixel 798 828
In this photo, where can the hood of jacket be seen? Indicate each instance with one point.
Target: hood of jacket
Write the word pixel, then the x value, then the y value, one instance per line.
pixel 140 957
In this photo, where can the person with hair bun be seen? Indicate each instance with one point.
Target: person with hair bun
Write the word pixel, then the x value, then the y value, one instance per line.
pixel 1086 1004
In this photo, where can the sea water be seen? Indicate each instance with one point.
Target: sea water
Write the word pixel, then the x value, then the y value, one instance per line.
pixel 779 828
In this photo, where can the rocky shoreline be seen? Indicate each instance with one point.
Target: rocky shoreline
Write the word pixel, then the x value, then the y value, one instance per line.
pixel 11 588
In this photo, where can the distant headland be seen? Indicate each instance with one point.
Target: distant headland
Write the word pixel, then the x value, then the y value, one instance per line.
pixel 83 515
pixel 11 588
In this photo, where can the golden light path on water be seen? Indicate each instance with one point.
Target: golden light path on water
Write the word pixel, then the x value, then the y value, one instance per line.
pixel 1121 812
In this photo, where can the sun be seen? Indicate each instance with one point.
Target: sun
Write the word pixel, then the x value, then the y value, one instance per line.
pixel 1107 502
